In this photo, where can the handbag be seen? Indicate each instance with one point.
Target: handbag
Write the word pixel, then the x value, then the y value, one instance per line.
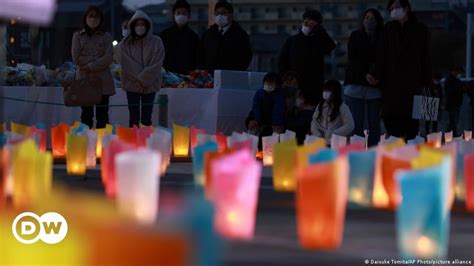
pixel 87 91
pixel 425 107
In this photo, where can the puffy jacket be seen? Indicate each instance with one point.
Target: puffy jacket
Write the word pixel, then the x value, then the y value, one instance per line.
pixel 343 125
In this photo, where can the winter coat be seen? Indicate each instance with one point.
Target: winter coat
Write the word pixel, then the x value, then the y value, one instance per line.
pixel 96 52
pixel 231 51
pixel 342 125
pixel 142 59
pixel 361 53
pixel 181 46
pixel 268 108
pixel 454 93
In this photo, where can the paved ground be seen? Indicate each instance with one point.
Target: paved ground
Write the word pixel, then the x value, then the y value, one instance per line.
pixel 369 234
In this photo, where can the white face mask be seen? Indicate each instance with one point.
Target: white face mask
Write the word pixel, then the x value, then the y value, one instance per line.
pixel 140 30
pixel 221 20
pixel 92 22
pixel 125 32
pixel 181 19
pixel 327 95
pixel 398 13
pixel 268 88
pixel 299 103
pixel 306 30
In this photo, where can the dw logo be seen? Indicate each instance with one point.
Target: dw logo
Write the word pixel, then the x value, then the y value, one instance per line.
pixel 28 228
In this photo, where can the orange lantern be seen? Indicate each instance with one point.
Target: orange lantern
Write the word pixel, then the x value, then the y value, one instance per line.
pixel 58 140
pixel 180 141
pixel 100 133
pixel 143 133
pixel 469 181
pixel 284 157
pixel 128 135
pixel 3 127
pixel 209 157
pixel 76 154
pixel 390 166
pixel 321 200
pixel 221 141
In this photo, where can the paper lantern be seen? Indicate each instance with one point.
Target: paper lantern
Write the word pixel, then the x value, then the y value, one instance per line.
pixel 310 139
pixel 221 140
pixel 180 141
pixel 267 144
pixel 467 135
pixel 284 156
pixel 435 138
pixel 448 136
pixel 160 141
pixel 416 141
pixel 100 134
pixel 109 173
pixel 91 158
pixel 105 142
pixel 3 127
pixel 288 135
pixel 3 140
pixel 203 138
pixel 3 155
pixel 198 161
pixel 209 158
pixel 76 154
pixel 235 194
pixel 303 152
pixel 254 140
pixel 390 166
pixel 423 216
pixel 20 129
pixel 338 142
pixel 469 181
pixel 128 135
pixel 321 200
pixel 235 137
pixel 58 140
pixel 194 134
pixel 460 190
pixel 358 140
pixel 138 184
pixel 244 144
pixel 361 176
pixel 352 147
pixel 143 133
pixel 40 137
pixel 322 156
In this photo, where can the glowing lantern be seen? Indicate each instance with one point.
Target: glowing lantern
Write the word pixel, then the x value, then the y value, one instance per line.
pixel 467 135
pixel 322 156
pixel 209 158
pixel 138 184
pixel 321 200
pixel 361 176
pixel 423 215
pixel 469 181
pixel 194 136
pixel 100 134
pixel 20 129
pixel 416 141
pixel 128 135
pixel 390 166
pixel 448 136
pixel 254 140
pixel 3 127
pixel 160 141
pixel 310 139
pixel 58 140
pixel 108 165
pixel 180 141
pixel 91 159
pixel 338 142
pixel 267 144
pixel 235 194
pixel 199 158
pixel 235 137
pixel 284 156
pixel 244 144
pixel 105 142
pixel 76 154
pixel 40 136
pixel 303 152
pixel 203 138
pixel 435 138
pixel 221 141
pixel 288 135
pixel 143 133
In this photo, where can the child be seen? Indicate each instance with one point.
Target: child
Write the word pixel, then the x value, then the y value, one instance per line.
pixel 300 122
pixel 268 109
pixel 331 115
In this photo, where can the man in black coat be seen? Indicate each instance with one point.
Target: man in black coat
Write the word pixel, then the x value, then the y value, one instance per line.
pixel 304 53
pixel 181 42
pixel 225 45
pixel 454 97
pixel 403 68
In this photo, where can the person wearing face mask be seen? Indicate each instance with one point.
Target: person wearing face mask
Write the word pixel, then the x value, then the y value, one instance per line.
pixel 403 68
pixel 303 114
pixel 454 97
pixel 304 53
pixel 181 42
pixel 359 94
pixel 225 45
pixel 332 116
pixel 92 53
pixel 268 108
pixel 437 92
pixel 117 49
pixel 142 55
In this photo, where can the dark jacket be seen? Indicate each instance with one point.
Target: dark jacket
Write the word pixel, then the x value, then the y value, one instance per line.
pixel 454 92
pixel 231 51
pixel 403 65
pixel 305 55
pixel 361 52
pixel 301 123
pixel 181 49
pixel 268 108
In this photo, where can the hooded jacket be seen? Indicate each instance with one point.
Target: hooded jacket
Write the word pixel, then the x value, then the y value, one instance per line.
pixel 141 59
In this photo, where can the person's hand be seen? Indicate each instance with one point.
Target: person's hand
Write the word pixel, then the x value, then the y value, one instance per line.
pixel 371 80
pixel 278 129
pixel 253 125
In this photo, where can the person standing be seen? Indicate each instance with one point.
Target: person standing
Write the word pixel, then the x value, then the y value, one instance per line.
pixel 180 41
pixel 454 98
pixel 225 45
pixel 125 33
pixel 142 55
pixel 92 53
pixel 437 92
pixel 304 53
pixel 403 68
pixel 359 94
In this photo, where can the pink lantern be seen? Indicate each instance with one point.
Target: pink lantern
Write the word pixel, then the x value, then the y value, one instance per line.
pixel 108 165
pixel 235 194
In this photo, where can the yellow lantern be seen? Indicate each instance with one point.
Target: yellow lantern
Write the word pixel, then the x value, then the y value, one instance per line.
pixel 303 152
pixel 20 129
pixel 284 158
pixel 76 154
pixel 100 133
pixel 180 141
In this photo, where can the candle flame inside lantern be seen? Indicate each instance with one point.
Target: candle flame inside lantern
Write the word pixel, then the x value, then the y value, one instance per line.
pixel 356 195
pixel 286 183
pixel 232 217
pixel 425 247
pixel 181 152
